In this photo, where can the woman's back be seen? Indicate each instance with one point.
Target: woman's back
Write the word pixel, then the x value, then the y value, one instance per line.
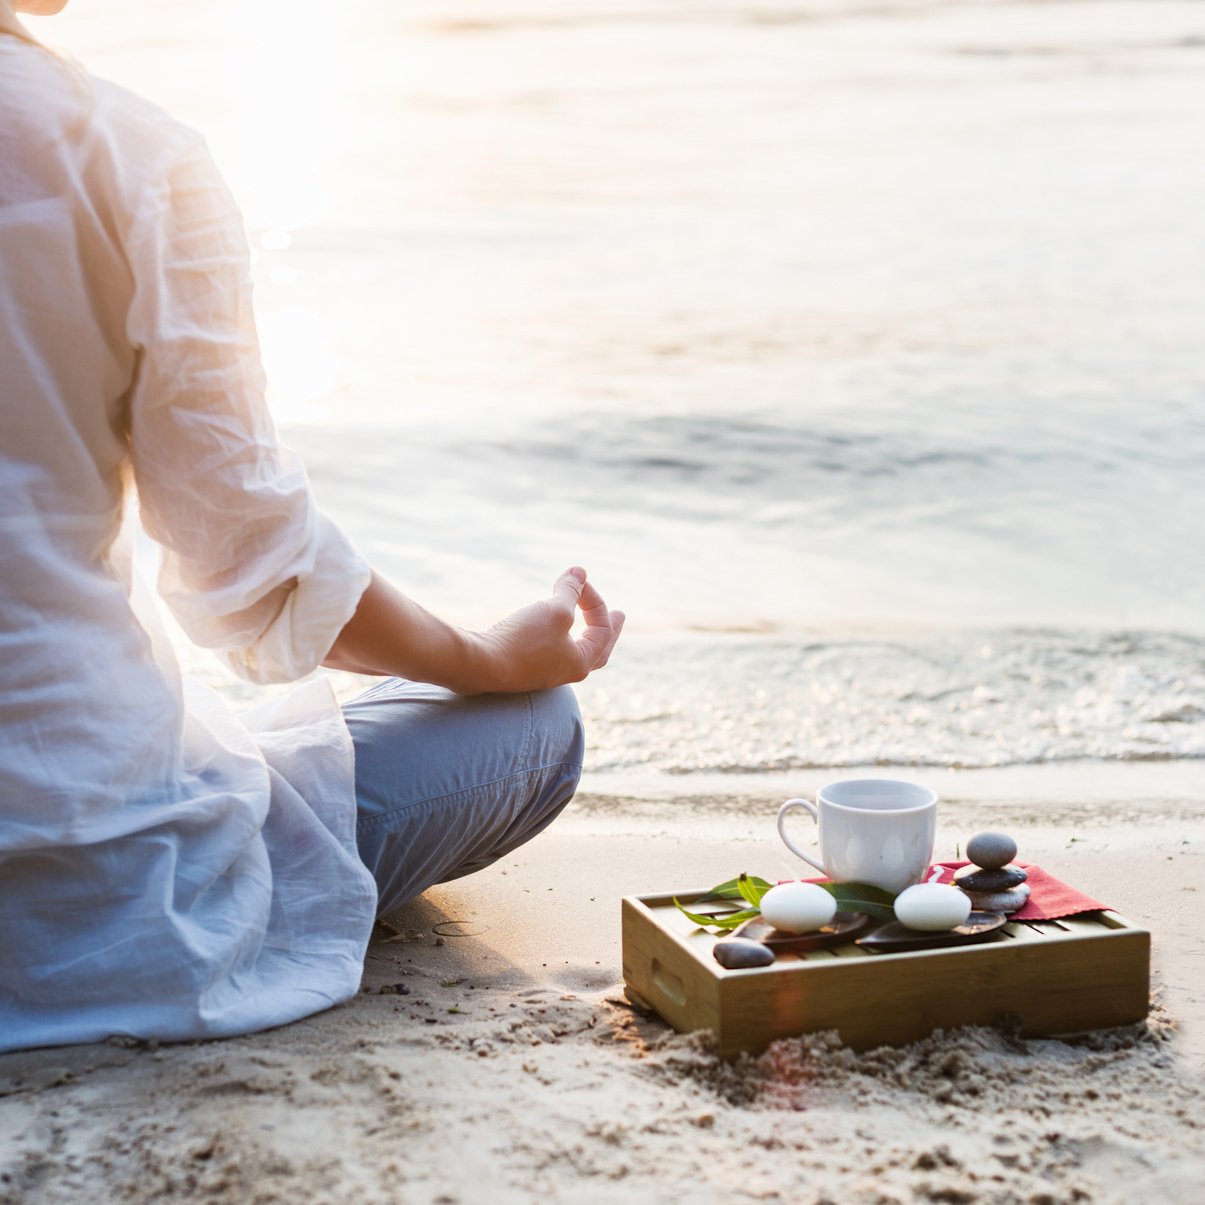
pixel 163 870
pixel 76 666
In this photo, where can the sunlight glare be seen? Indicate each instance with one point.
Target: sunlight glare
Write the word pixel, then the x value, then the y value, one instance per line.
pixel 288 69
pixel 302 360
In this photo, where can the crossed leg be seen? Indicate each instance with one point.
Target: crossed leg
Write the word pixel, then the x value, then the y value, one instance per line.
pixel 447 784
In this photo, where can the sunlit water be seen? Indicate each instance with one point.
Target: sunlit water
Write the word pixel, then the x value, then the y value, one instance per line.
pixel 842 342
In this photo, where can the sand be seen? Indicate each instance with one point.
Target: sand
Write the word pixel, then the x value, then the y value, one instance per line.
pixel 492 1056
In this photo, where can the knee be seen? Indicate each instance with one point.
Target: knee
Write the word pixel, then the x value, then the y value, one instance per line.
pixel 558 734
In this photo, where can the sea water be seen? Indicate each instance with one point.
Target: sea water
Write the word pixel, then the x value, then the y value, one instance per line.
pixel 855 348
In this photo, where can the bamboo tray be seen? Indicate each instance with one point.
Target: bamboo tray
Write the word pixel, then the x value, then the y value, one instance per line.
pixel 1084 972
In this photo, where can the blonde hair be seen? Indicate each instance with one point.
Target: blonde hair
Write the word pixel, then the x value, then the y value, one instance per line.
pixel 10 24
pixel 23 35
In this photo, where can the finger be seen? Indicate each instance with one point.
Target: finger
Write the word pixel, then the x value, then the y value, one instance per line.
pixel 594 610
pixel 617 622
pixel 567 588
pixel 597 641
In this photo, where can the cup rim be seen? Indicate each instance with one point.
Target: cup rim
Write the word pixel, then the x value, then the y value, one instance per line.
pixel 845 807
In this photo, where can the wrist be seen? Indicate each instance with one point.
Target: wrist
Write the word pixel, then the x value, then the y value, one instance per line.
pixel 476 671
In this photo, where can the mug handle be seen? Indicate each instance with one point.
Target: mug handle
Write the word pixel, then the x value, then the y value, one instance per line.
pixel 782 815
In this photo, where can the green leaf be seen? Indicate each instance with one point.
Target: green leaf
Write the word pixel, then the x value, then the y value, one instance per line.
pixel 723 923
pixel 751 890
pixel 862 897
pixel 731 889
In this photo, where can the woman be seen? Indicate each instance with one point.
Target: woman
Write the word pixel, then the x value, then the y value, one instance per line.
pixel 168 871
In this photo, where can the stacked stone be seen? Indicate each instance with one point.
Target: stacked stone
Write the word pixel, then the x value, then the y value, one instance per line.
pixel 992 884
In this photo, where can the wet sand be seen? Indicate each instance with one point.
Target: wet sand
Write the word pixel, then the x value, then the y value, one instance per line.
pixel 491 1053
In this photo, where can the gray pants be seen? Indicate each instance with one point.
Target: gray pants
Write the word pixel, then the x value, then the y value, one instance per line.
pixel 446 784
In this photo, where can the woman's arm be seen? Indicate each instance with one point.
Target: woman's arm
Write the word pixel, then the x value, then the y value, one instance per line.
pixel 529 650
pixel 250 568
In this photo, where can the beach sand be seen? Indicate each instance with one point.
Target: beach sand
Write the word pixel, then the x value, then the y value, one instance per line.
pixel 492 1056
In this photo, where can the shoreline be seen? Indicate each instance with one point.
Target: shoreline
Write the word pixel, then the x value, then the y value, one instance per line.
pixel 1085 781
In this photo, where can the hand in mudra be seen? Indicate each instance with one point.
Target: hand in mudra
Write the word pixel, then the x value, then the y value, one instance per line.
pixel 535 647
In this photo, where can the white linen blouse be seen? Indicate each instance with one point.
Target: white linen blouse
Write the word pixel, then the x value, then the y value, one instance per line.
pixel 166 870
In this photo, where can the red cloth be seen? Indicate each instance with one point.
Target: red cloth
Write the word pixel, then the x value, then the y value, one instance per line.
pixel 1049 898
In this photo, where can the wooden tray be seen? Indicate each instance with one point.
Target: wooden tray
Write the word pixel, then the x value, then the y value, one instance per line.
pixel 1090 971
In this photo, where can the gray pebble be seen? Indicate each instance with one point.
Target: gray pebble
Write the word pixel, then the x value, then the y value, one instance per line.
pixel 999 901
pixel 971 878
pixel 991 850
pixel 735 954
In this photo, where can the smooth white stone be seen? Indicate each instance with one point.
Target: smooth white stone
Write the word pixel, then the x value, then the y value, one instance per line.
pixel 932 907
pixel 798 907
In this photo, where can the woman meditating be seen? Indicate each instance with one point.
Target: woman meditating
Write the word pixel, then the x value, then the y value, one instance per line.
pixel 166 869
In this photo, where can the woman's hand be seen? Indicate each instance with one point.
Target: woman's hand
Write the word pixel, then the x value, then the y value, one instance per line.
pixel 534 648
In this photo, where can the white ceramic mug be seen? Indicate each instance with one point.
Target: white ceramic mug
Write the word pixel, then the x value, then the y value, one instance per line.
pixel 872 830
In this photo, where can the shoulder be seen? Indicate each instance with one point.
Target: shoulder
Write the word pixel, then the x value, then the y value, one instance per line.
pixel 50 101
pixel 68 129
pixel 154 171
pixel 142 144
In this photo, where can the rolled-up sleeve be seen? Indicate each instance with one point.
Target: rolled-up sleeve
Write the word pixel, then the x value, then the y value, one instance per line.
pixel 250 567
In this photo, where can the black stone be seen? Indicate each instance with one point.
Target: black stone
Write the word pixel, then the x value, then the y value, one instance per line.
pixel 972 878
pixel 991 850
pixel 735 954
